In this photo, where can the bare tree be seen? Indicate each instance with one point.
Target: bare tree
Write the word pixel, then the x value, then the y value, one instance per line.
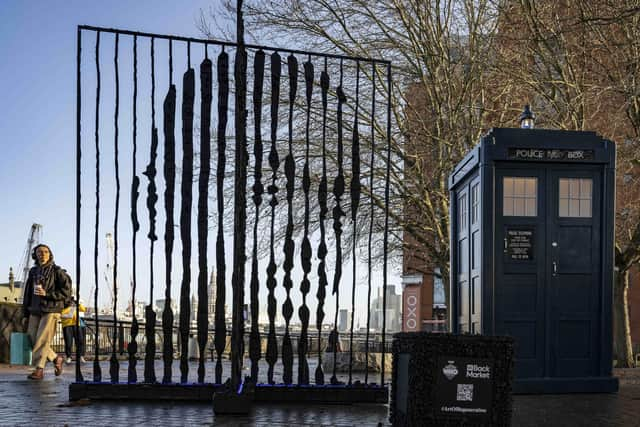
pixel 615 26
pixel 460 66
pixel 440 51
pixel 580 59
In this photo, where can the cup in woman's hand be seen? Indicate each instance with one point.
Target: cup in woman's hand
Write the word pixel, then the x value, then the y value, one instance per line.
pixel 38 290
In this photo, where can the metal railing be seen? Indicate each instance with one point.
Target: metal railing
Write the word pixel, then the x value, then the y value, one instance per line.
pixel 105 343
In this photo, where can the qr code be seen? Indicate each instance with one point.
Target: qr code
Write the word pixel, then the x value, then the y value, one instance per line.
pixel 465 392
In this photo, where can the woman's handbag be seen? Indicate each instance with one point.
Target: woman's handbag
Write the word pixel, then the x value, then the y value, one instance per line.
pixel 68 312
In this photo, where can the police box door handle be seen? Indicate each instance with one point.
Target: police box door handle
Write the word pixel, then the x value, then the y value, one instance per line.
pixel 506 246
pixel 555 268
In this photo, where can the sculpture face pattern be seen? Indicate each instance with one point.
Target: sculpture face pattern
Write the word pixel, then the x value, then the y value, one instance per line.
pixel 312 148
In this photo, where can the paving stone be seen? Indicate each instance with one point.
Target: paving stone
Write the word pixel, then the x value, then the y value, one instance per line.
pixel 45 403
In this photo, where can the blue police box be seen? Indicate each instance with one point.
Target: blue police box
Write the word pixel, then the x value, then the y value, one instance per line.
pixel 532 235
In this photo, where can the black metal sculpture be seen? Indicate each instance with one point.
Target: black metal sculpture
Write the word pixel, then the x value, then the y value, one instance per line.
pixel 305 255
pixel 289 245
pixel 258 190
pixel 338 213
pixel 97 371
pixel 355 202
pixel 223 101
pixel 285 221
pixel 132 348
pixel 186 186
pixel 114 366
pixel 169 124
pixel 274 163
pixel 206 83
pixel 152 198
pixel 322 248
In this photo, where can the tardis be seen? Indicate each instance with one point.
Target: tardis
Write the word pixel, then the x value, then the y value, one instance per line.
pixel 532 234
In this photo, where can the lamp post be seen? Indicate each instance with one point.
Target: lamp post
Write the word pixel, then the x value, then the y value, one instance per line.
pixel 527 118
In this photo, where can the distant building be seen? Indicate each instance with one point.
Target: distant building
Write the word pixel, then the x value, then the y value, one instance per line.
pixel 140 307
pixel 393 310
pixel 344 320
pixel 10 291
pixel 263 315
pixel 193 315
pixel 211 293
pixel 212 289
pixel 160 303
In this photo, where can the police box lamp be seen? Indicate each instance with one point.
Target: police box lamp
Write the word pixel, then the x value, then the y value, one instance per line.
pixel 527 118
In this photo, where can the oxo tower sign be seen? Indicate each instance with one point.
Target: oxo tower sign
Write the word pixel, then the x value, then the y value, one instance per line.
pixel 411 319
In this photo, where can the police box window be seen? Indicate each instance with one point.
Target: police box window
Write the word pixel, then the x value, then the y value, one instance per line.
pixel 462 212
pixel 575 197
pixel 475 202
pixel 520 196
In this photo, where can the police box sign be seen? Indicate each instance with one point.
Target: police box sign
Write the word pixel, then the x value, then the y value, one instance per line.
pixel 519 244
pixel 464 387
pixel 550 154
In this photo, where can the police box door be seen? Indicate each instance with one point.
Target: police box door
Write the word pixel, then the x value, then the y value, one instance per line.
pixel 574 269
pixel 548 268
pixel 519 264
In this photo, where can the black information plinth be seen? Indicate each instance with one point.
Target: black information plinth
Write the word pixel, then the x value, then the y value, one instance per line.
pixel 445 379
pixel 465 386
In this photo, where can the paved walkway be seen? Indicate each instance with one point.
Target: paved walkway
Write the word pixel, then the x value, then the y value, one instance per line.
pixel 46 403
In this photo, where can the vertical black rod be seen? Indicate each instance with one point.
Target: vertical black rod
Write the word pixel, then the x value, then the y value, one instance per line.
pixel 371 199
pixel 355 202
pixel 78 191
pixel 258 190
pixel 223 102
pixel 322 248
pixel 114 365
pixel 386 223
pixel 186 187
pixel 97 372
pixel 135 225
pixel 338 191
pixel 121 338
pixel 152 198
pixel 169 171
pixel 305 255
pixel 170 62
pixel 240 205
pixel 289 245
pixel 206 87
pixel 274 163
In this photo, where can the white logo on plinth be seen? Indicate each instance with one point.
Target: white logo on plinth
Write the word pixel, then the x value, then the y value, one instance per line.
pixel 450 370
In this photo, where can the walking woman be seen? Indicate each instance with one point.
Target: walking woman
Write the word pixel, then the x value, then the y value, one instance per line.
pixel 47 292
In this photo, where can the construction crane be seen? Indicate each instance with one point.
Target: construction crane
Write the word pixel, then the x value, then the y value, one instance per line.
pixel 108 272
pixel 35 235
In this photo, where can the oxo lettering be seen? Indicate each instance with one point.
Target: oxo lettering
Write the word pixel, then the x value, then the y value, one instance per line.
pixel 411 321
